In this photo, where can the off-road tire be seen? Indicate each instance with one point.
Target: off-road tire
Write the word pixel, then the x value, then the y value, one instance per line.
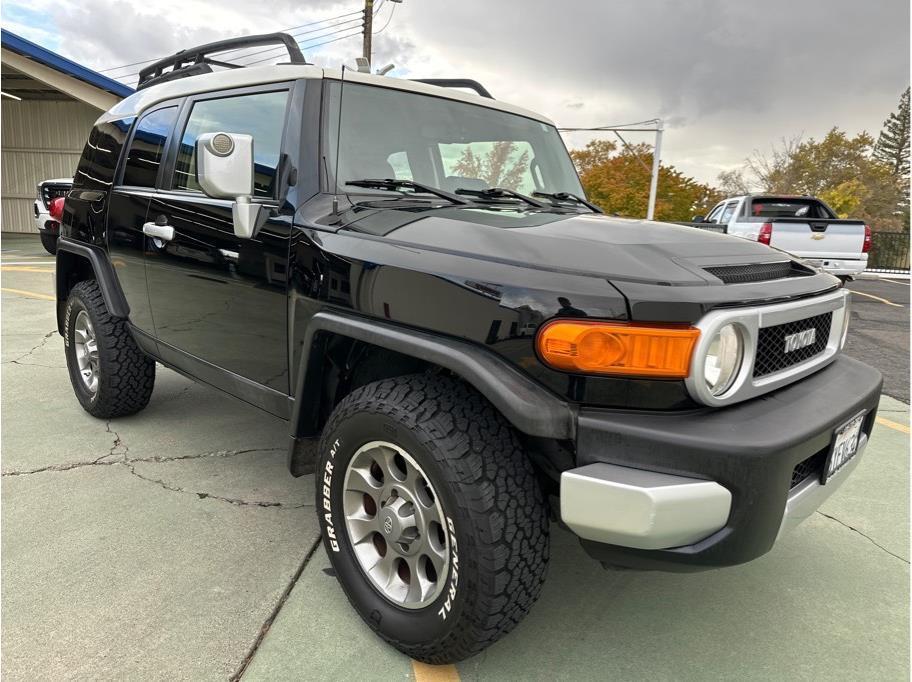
pixel 488 489
pixel 49 242
pixel 126 375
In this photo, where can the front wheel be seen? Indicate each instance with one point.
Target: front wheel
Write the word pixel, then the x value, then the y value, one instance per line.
pixel 432 516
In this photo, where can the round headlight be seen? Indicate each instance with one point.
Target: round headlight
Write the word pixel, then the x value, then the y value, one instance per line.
pixel 723 359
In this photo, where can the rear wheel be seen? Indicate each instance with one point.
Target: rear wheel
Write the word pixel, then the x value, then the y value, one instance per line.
pixel 432 516
pixel 49 242
pixel 110 375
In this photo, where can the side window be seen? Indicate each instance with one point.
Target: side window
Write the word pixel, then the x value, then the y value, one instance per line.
pixel 713 214
pixel 728 212
pixel 145 154
pixel 261 114
pixel 99 158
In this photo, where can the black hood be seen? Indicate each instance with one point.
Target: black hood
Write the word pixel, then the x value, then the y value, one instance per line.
pixel 658 267
pixel 617 249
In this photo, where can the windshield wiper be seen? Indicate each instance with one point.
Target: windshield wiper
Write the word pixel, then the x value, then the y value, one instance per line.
pixel 565 197
pixel 393 185
pixel 499 193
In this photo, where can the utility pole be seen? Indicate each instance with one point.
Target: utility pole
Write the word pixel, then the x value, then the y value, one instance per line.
pixel 656 160
pixel 368 28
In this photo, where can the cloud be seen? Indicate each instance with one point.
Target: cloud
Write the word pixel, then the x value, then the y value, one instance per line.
pixel 728 76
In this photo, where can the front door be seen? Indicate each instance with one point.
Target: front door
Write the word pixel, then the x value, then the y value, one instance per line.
pixel 220 302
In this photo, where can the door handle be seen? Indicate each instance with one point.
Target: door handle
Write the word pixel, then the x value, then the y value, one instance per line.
pixel 163 232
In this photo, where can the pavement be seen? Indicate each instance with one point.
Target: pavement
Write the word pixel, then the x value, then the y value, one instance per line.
pixel 174 545
pixel 879 330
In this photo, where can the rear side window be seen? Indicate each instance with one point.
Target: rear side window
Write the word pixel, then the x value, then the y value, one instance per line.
pixel 773 207
pixel 261 115
pixel 99 158
pixel 147 147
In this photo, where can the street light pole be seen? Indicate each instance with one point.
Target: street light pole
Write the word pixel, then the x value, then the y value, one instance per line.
pixel 654 181
pixel 368 29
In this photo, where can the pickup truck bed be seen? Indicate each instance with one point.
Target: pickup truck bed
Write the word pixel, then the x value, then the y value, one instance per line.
pixel 802 226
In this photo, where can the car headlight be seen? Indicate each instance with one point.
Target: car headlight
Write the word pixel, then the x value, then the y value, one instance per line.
pixel 723 359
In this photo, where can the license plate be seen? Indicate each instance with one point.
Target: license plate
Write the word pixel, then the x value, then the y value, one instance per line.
pixel 845 445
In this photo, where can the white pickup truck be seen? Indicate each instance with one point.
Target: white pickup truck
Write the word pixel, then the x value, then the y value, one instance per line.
pixel 800 225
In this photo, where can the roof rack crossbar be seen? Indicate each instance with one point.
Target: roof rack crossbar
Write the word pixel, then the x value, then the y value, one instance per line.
pixel 191 57
pixel 457 83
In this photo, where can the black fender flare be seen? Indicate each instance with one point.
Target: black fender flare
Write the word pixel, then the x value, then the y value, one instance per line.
pixel 530 407
pixel 67 251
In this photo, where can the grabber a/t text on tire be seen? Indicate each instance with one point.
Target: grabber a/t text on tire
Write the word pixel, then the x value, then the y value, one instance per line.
pixel 432 515
pixel 111 376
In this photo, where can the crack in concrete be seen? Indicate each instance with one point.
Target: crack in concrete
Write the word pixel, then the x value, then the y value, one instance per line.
pixel 119 452
pixel 865 536
pixel 267 624
pixel 204 496
pixel 136 460
pixel 39 345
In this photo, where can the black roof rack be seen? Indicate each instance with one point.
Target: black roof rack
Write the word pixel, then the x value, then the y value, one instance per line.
pixel 457 83
pixel 194 61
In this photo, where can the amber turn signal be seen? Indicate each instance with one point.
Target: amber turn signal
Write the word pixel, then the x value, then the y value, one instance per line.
pixel 619 348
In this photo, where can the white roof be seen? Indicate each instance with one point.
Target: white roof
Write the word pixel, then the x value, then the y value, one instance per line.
pixel 278 73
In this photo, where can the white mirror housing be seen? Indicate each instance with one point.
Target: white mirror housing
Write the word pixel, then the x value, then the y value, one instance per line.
pixel 224 164
pixel 224 170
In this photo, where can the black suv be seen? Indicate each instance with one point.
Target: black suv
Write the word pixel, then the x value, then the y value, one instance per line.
pixel 462 346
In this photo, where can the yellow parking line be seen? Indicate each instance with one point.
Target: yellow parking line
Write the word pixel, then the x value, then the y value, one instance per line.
pixel 893 425
pixel 434 673
pixel 876 298
pixel 24 268
pixel 29 294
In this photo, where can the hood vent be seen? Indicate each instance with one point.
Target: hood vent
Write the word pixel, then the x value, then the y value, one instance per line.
pixel 759 272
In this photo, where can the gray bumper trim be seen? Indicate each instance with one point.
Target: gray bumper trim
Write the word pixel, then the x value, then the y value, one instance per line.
pixel 810 494
pixel 642 509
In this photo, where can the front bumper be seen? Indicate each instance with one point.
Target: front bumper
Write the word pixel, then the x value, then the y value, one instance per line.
pixel 43 220
pixel 662 504
pixel 841 267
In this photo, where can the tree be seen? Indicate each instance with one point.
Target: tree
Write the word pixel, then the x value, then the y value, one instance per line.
pixel 892 146
pixel 500 167
pixel 732 182
pixel 618 182
pixel 839 169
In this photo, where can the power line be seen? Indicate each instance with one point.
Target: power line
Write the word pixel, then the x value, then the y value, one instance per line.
pixel 388 20
pixel 326 42
pixel 304 44
pixel 278 50
pixel 289 29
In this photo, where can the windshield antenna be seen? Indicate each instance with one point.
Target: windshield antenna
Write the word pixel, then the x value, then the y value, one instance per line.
pixel 335 200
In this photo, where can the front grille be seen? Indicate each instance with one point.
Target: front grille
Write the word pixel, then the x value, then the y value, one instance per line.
pixel 812 466
pixel 51 191
pixel 758 272
pixel 771 355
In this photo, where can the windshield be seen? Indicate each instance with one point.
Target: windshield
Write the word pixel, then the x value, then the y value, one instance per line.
pixel 442 143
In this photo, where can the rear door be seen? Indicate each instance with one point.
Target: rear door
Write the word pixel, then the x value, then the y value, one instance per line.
pixel 129 202
pixel 218 301
pixel 805 227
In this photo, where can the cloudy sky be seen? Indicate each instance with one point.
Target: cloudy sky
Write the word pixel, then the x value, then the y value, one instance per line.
pixel 727 76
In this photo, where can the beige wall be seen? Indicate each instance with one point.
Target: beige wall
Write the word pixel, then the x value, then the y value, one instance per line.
pixel 41 139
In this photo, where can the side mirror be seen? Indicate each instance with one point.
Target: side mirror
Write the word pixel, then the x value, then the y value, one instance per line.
pixel 224 169
pixel 698 219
